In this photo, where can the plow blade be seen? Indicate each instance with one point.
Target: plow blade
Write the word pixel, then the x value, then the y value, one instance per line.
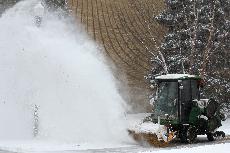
pixel 149 138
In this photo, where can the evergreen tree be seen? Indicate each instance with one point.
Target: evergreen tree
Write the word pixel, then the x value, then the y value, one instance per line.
pixel 197 42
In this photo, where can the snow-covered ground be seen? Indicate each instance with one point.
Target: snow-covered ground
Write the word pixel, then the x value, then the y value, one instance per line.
pixel 51 147
pixel 220 148
pixel 226 126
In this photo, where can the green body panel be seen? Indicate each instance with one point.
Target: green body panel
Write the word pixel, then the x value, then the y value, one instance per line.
pixel 166 121
pixel 193 116
pixel 173 122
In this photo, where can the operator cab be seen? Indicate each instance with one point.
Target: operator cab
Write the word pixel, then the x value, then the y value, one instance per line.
pixel 175 96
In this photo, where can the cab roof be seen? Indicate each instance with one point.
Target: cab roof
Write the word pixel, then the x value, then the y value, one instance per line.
pixel 177 77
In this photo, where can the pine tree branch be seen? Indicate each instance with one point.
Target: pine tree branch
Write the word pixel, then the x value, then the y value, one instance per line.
pixel 208 47
pixel 193 37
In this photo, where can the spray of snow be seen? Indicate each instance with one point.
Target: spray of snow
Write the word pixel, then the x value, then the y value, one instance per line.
pixel 57 68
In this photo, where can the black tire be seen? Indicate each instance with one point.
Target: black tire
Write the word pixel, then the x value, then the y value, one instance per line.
pixel 223 134
pixel 210 137
pixel 219 134
pixel 191 134
pixel 183 136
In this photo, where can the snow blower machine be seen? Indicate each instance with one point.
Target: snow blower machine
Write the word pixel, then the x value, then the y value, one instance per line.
pixel 179 113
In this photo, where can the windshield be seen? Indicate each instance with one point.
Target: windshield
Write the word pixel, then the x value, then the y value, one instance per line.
pixel 166 102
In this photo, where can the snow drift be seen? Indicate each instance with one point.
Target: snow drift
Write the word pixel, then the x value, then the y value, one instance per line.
pixel 57 68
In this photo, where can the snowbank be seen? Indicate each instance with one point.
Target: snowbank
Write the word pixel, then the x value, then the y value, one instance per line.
pixel 225 127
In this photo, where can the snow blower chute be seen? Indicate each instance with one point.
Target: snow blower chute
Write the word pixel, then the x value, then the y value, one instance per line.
pixel 179 112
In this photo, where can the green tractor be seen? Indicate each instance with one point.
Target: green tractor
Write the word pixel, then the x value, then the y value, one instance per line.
pixel 179 108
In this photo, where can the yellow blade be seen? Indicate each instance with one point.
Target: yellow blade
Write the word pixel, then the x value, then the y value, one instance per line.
pixel 148 138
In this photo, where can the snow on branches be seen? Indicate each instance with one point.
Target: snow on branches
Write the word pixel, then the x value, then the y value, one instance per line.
pixel 197 42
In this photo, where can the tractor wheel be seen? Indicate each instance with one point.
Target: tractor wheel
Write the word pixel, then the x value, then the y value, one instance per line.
pixel 183 135
pixel 183 138
pixel 191 134
pixel 188 134
pixel 219 134
pixel 210 136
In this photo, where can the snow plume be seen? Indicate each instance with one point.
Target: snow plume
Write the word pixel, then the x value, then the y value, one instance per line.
pixel 55 70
